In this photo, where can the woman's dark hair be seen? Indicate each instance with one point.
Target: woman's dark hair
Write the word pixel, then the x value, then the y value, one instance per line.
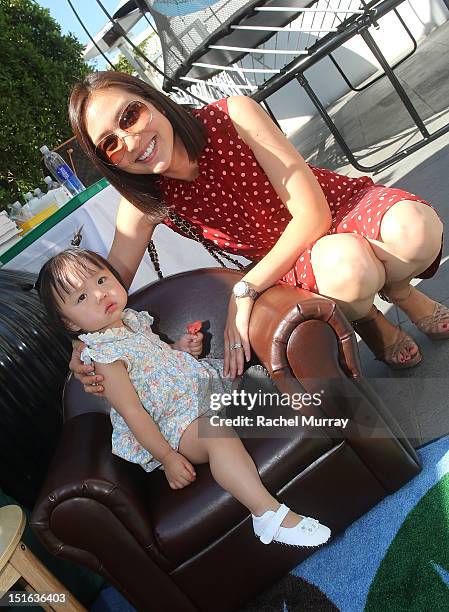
pixel 55 278
pixel 140 190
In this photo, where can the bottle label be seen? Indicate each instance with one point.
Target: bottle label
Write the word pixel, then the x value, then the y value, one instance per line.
pixel 74 184
pixel 64 172
pixel 69 180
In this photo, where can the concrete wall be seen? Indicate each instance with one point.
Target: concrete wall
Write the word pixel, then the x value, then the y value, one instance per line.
pixel 292 106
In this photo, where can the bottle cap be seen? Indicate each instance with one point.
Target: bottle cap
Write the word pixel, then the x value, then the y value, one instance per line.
pixel 48 180
pixel 44 150
pixel 37 191
pixel 28 196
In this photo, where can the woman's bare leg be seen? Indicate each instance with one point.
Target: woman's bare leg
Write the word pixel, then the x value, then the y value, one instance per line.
pixel 410 240
pixel 351 269
pixel 231 466
pixel 347 270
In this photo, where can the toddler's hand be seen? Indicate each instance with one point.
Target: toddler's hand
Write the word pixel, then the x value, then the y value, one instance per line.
pixel 178 470
pixel 191 343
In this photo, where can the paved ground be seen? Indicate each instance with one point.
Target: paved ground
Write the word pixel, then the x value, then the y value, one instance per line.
pixel 376 124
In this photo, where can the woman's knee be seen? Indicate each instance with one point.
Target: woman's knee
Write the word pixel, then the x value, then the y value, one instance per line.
pixel 412 230
pixel 346 267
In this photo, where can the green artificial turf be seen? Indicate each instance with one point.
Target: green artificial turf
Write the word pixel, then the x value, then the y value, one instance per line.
pixel 414 574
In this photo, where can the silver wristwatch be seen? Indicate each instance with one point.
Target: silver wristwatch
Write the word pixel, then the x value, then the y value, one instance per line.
pixel 243 289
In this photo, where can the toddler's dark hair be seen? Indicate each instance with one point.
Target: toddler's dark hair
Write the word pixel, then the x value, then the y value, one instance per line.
pixel 55 277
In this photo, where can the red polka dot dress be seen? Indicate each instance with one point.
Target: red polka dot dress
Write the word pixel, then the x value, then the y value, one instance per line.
pixel 235 205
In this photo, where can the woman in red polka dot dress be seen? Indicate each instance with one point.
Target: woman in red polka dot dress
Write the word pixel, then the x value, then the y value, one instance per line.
pixel 227 170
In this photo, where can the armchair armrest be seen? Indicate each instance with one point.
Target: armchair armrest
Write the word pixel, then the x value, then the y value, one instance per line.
pixel 278 312
pixel 91 511
pixel 85 473
pixel 306 343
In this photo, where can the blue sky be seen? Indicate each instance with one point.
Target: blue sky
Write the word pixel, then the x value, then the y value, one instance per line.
pixel 90 13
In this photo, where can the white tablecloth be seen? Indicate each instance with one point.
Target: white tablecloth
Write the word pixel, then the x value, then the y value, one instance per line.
pixel 97 219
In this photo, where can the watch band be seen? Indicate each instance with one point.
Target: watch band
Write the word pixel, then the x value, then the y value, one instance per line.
pixel 243 289
pixel 252 293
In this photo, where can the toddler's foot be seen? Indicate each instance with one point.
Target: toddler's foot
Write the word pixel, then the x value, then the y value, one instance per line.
pixel 286 527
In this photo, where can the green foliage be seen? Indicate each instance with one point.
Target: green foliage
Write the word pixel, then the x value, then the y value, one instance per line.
pixel 38 68
pixel 123 65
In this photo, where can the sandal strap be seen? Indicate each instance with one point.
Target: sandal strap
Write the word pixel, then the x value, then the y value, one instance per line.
pixel 272 526
pixel 431 323
pixel 383 296
pixel 403 341
pixel 377 336
pixel 373 334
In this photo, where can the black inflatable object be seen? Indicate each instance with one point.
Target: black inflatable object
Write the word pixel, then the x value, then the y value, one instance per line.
pixel 33 367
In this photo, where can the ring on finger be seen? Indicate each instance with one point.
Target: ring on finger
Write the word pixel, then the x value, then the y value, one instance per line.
pixel 236 345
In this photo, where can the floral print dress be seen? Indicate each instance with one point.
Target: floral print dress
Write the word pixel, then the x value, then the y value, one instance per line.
pixel 173 386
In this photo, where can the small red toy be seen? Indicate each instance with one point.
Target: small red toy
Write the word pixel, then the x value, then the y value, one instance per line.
pixel 194 328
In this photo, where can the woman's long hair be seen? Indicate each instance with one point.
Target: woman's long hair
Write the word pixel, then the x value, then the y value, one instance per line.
pixel 139 189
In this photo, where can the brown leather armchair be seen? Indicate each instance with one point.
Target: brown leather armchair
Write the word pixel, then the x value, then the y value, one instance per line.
pixel 194 549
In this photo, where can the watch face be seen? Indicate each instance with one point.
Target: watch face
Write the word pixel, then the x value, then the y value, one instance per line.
pixel 240 289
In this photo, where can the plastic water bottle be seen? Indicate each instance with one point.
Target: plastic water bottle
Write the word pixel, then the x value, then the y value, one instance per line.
pixel 61 171
pixel 32 202
pixel 60 194
pixel 29 201
pixel 15 206
pixel 37 205
pixel 20 213
pixel 51 184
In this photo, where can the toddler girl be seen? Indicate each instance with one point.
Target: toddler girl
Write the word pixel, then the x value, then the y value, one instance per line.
pixel 159 392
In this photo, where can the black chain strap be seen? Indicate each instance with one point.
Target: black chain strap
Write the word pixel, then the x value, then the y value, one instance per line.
pixel 190 230
pixel 154 258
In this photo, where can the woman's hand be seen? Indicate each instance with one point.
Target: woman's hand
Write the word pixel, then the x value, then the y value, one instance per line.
pixel 178 470
pixel 190 343
pixel 236 332
pixel 83 373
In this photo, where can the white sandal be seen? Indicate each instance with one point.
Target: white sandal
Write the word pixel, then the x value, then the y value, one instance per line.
pixel 308 532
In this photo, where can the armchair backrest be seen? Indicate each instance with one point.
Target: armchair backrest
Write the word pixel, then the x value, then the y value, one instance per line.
pixel 186 297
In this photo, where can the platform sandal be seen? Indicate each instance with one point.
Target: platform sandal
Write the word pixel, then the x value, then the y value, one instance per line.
pixel 429 325
pixel 309 532
pixel 372 332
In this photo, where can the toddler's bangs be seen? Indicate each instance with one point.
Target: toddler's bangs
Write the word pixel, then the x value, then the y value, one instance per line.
pixel 68 266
